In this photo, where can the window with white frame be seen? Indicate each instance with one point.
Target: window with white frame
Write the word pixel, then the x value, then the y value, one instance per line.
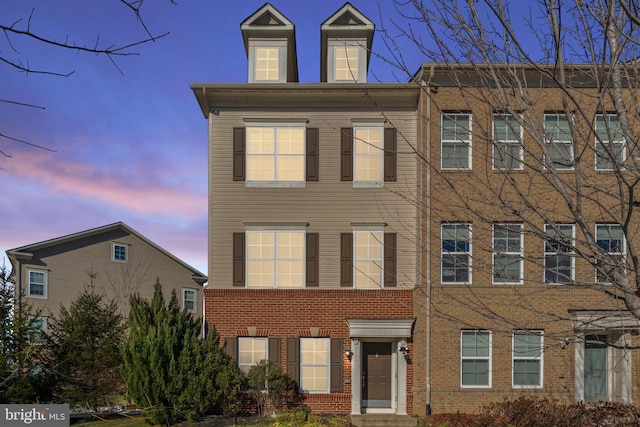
pixel 455 253
pixel 368 250
pixel 610 144
pixel 611 241
pixel 189 300
pixel 37 329
pixel 507 253
pixel 559 141
pixel 37 286
pixel 368 149
pixel 347 61
pixel 275 154
pixel 558 253
pixel 250 352
pixel 267 61
pixel 119 252
pixel 275 258
pixel 507 142
pixel 527 359
pixel 314 365
pixel 475 359
pixel 456 141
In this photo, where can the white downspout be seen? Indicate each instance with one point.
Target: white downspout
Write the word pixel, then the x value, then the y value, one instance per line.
pixel 428 246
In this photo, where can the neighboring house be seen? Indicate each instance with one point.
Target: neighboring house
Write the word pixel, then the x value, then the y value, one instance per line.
pixel 515 307
pixel 313 220
pixel 115 258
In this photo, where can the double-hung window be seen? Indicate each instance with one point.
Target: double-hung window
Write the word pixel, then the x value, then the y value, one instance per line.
pixel 37 329
pixel 189 300
pixel 475 359
pixel 527 359
pixel 558 253
pixel 37 287
pixel 251 351
pixel 456 141
pixel 314 365
pixel 347 61
pixel 267 61
pixel 507 253
pixel 507 142
pixel 368 258
pixel 610 144
pixel 455 253
pixel 558 141
pixel 368 158
pixel 275 154
pixel 610 239
pixel 275 258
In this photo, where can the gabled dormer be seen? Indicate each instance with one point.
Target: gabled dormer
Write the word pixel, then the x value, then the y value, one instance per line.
pixel 346 39
pixel 270 42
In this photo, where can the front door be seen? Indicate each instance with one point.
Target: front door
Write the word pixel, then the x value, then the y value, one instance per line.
pixel 595 368
pixel 376 375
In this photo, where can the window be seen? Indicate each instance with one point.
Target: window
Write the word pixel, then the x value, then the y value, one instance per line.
pixel 610 144
pixel 527 359
pixel 507 253
pixel 558 253
pixel 275 154
pixel 314 365
pixel 610 239
pixel 37 284
pixel 250 352
pixel 347 61
pixel 507 144
pixel 456 253
pixel 456 141
pixel 475 359
pixel 368 259
pixel 368 156
pixel 267 61
pixel 275 258
pixel 189 300
pixel 119 252
pixel 37 328
pixel 559 141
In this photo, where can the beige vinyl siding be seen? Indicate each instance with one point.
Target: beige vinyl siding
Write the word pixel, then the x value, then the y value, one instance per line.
pixel 329 206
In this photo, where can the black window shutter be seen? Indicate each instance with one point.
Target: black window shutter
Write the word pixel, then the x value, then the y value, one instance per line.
pixel 238 259
pixel 336 368
pixel 390 154
pixel 274 351
pixel 390 261
pixel 238 154
pixel 313 156
pixel 346 260
pixel 346 154
pixel 293 352
pixel 231 347
pixel 313 257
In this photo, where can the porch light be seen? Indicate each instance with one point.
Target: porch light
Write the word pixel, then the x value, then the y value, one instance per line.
pixel 348 352
pixel 402 348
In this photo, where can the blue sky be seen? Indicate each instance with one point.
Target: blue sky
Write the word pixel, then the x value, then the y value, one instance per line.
pixel 130 141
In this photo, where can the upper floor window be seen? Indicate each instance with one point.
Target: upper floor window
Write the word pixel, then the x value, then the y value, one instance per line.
pixel 267 61
pixel 347 61
pixel 527 359
pixel 368 155
pixel 37 329
pixel 475 359
pixel 37 287
pixel 559 141
pixel 189 300
pixel 119 252
pixel 611 241
pixel 368 258
pixel 275 258
pixel 610 144
pixel 314 365
pixel 250 352
pixel 456 141
pixel 507 142
pixel 507 253
pixel 455 253
pixel 558 253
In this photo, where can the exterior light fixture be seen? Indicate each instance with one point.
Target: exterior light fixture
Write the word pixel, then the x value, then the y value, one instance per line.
pixel 348 352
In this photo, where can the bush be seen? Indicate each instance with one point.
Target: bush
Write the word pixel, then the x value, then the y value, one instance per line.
pixel 270 386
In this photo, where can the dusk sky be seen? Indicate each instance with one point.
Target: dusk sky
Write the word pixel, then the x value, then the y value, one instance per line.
pixel 130 142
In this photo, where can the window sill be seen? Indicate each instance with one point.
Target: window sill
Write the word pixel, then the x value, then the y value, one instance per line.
pixel 368 184
pixel 274 184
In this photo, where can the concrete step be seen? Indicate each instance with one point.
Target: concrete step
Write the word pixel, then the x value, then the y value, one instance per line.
pixel 383 420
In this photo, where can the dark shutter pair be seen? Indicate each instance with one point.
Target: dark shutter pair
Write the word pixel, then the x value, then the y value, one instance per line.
pixel 390 154
pixel 312 259
pixel 346 260
pixel 336 373
pixel 312 156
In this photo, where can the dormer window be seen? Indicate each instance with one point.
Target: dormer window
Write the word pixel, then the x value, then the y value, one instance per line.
pixel 347 61
pixel 267 61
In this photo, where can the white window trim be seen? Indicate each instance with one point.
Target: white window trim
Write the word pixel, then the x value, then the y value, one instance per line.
pixel 570 253
pixel 563 142
pixel 327 365
pixel 332 45
pixel 496 142
pixel 519 255
pixel 470 253
pixel 113 252
pixel 623 254
pixel 621 142
pixel 373 229
pixel 45 292
pixel 514 358
pixel 195 299
pixel 467 142
pixel 489 358
pixel 43 330
pixel 276 230
pixel 281 45
pixel 266 350
pixel 368 184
